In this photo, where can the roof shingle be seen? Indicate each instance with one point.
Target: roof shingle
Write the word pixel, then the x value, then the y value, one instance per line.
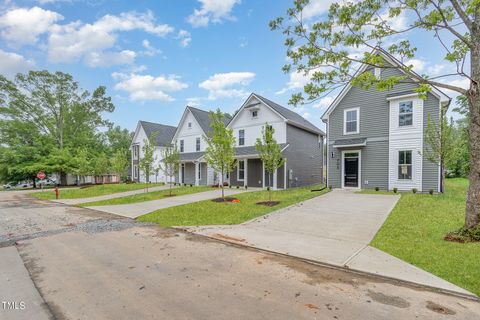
pixel 164 132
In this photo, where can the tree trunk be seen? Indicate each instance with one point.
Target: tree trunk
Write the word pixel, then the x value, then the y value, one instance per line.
pixel 221 182
pixel 473 196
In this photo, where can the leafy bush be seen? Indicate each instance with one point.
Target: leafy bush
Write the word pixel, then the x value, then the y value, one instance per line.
pixel 395 190
pixel 238 187
pixel 414 190
pixel 430 191
pixel 246 187
pixel 330 187
pixel 377 188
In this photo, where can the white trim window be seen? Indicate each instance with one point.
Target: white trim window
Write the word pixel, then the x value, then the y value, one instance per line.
pixel 255 114
pixel 241 170
pixel 241 137
pixel 135 151
pixel 405 165
pixel 199 171
pixel 351 122
pixel 405 114
pixel 182 146
pixel 189 125
pixel 197 144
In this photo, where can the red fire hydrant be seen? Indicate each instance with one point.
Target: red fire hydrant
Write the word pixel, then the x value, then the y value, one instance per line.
pixel 56 192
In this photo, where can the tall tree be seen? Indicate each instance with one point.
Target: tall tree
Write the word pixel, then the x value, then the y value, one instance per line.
pixel 53 106
pixel 270 153
pixel 440 143
pixel 170 163
pixel 323 49
pixel 120 163
pixel 101 166
pixel 220 152
pixel 147 161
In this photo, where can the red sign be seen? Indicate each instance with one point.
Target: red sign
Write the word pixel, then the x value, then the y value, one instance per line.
pixel 41 175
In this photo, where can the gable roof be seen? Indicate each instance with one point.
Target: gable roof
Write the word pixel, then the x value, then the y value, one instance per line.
pixel 290 116
pixel 165 132
pixel 392 60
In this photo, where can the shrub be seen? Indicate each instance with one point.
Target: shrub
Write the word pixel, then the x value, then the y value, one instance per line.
pixel 246 187
pixel 464 235
pixel 414 190
pixel 431 192
pixel 225 184
pixel 377 188
pixel 330 187
pixel 238 187
pixel 395 190
pixel 268 188
pixel 191 185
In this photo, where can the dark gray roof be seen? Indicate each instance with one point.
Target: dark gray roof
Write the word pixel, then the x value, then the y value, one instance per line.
pixel 191 156
pixel 164 133
pixel 291 115
pixel 396 94
pixel 350 142
pixel 247 151
pixel 202 117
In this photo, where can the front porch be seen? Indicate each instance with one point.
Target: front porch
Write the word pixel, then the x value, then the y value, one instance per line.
pixel 251 172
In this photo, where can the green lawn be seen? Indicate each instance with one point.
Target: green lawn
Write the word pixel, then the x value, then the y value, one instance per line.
pixel 415 229
pixel 209 212
pixel 141 197
pixel 93 191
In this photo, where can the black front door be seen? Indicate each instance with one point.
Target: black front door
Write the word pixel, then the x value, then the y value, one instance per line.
pixel 351 170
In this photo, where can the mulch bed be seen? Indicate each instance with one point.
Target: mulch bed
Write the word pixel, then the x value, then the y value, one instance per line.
pixel 227 199
pixel 168 195
pixel 268 203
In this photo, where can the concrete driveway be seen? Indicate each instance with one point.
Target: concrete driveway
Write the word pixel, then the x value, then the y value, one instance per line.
pixel 138 209
pixel 335 228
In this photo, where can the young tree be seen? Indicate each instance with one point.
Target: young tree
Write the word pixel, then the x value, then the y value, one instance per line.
pixel 83 164
pixel 146 163
pixel 120 163
pixel 324 50
pixel 440 143
pixel 220 152
pixel 170 163
pixel 270 153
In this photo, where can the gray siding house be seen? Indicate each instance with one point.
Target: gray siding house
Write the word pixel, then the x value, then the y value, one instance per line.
pixel 376 139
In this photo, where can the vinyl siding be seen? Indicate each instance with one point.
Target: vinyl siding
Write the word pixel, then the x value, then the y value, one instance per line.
pixel 304 157
pixel 254 173
pixel 374 125
pixel 430 169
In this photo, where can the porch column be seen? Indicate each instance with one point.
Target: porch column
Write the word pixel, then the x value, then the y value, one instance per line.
pixel 263 175
pixel 196 173
pixel 245 180
pixel 275 180
pixel 180 173
pixel 285 185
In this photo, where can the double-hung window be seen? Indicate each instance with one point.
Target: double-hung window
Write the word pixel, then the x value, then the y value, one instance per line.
pixel 405 165
pixel 182 144
pixel 241 170
pixel 241 137
pixel 351 124
pixel 197 144
pixel 405 114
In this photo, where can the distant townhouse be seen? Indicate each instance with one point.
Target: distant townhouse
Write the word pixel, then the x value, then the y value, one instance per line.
pixel 377 139
pixel 144 130
pixel 301 143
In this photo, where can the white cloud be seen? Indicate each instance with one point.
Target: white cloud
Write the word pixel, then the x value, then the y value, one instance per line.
pixel 307 115
pixel 298 80
pixel 107 59
pixel 316 8
pixel 436 69
pixel 12 63
pixel 185 38
pixel 23 26
pixel 147 87
pixel 149 49
pixel 214 11
pixel 418 64
pixel 323 103
pixel 222 85
pixel 194 101
pixel 74 41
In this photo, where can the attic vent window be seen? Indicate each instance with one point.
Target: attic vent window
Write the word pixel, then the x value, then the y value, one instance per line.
pixel 189 125
pixel 378 73
pixel 254 114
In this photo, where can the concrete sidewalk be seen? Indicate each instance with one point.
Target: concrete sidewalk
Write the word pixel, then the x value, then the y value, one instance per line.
pixel 111 196
pixel 134 210
pixel 335 229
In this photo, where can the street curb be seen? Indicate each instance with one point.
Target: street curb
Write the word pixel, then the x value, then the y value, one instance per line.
pixel 372 275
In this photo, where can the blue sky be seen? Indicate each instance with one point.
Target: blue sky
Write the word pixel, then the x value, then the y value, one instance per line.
pixel 155 57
